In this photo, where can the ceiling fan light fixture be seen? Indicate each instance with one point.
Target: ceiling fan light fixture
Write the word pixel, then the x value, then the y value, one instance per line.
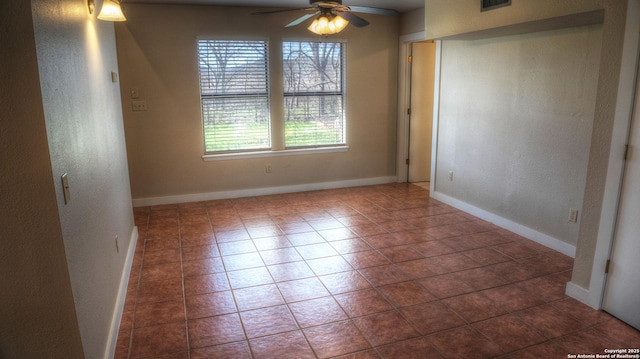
pixel 328 25
pixel 111 11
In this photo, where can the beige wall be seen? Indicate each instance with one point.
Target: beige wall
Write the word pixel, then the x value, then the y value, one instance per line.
pixel 518 144
pixel 157 54
pixel 412 22
pixel 611 111
pixel 76 54
pixel 36 304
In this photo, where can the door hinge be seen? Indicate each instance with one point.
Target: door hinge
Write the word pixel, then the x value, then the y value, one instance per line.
pixel 408 111
pixel 606 267
pixel 410 58
pixel 626 152
pixel 407 161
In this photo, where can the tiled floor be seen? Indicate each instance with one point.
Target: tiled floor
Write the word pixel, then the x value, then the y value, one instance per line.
pixel 369 272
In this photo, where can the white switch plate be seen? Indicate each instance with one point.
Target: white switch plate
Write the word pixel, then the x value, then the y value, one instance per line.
pixel 65 188
pixel 450 175
pixel 573 215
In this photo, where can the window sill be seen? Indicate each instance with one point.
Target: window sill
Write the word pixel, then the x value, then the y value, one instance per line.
pixel 261 154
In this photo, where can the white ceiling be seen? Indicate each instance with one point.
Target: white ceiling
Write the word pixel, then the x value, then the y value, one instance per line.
pixel 398 5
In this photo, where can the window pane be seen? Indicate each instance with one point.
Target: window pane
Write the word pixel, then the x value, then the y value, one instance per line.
pixel 313 120
pixel 234 91
pixel 314 99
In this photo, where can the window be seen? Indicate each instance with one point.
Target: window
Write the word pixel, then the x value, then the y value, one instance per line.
pixel 234 90
pixel 313 93
pixel 236 97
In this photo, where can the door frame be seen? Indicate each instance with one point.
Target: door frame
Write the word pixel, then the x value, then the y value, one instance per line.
pixel 594 295
pixel 404 101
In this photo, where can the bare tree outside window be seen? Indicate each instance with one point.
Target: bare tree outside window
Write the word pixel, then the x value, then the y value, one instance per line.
pixel 234 88
pixel 313 93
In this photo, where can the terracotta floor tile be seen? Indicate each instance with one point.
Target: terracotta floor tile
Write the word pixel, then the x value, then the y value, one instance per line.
pixel 363 302
pixel 410 349
pixel 401 253
pixel 208 283
pixel 210 304
pixel 202 266
pixel 258 297
pixel 481 278
pixel 509 332
pixel 249 277
pixel 318 311
pixel 581 312
pixel 239 350
pixel 268 321
pixel 280 255
pixel 335 339
pixel 200 252
pixel 242 261
pixel 236 247
pixel 267 243
pixel 420 278
pixel 161 271
pixel 545 350
pixel 302 289
pixel 617 330
pixel 385 328
pixel 329 265
pixel 343 282
pixel 318 250
pixel 546 288
pixel 290 271
pixel 365 259
pixel 405 294
pixel 155 291
pixel 162 256
pixel 549 321
pixel 474 307
pixel 465 343
pixel 159 340
pixel 217 330
pixel 512 298
pixel 154 313
pixel 385 274
pixel 289 345
pixel 432 317
pixel 350 245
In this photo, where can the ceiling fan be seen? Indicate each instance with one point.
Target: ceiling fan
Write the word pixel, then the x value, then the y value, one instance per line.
pixel 332 16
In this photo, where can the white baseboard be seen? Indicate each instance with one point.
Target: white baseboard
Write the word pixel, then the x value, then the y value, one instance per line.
pixel 577 292
pixel 122 294
pixel 153 201
pixel 545 240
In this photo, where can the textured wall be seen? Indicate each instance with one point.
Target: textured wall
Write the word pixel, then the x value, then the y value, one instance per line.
pixel 157 54
pixel 518 143
pixel 37 313
pixel 76 54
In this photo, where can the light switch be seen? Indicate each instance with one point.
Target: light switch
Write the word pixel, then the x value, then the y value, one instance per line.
pixel 135 93
pixel 65 188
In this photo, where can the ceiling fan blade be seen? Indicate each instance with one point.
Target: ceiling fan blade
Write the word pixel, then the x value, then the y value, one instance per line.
pixel 301 19
pixel 374 10
pixel 353 19
pixel 281 10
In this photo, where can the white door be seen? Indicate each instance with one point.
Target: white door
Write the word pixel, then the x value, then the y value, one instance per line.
pixel 622 293
pixel 421 119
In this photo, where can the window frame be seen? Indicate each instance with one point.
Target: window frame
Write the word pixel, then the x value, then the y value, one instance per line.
pixel 267 96
pixel 341 93
pixel 275 103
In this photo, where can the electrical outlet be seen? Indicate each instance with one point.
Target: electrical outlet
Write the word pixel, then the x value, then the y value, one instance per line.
pixel 573 215
pixel 450 175
pixel 139 105
pixel 268 168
